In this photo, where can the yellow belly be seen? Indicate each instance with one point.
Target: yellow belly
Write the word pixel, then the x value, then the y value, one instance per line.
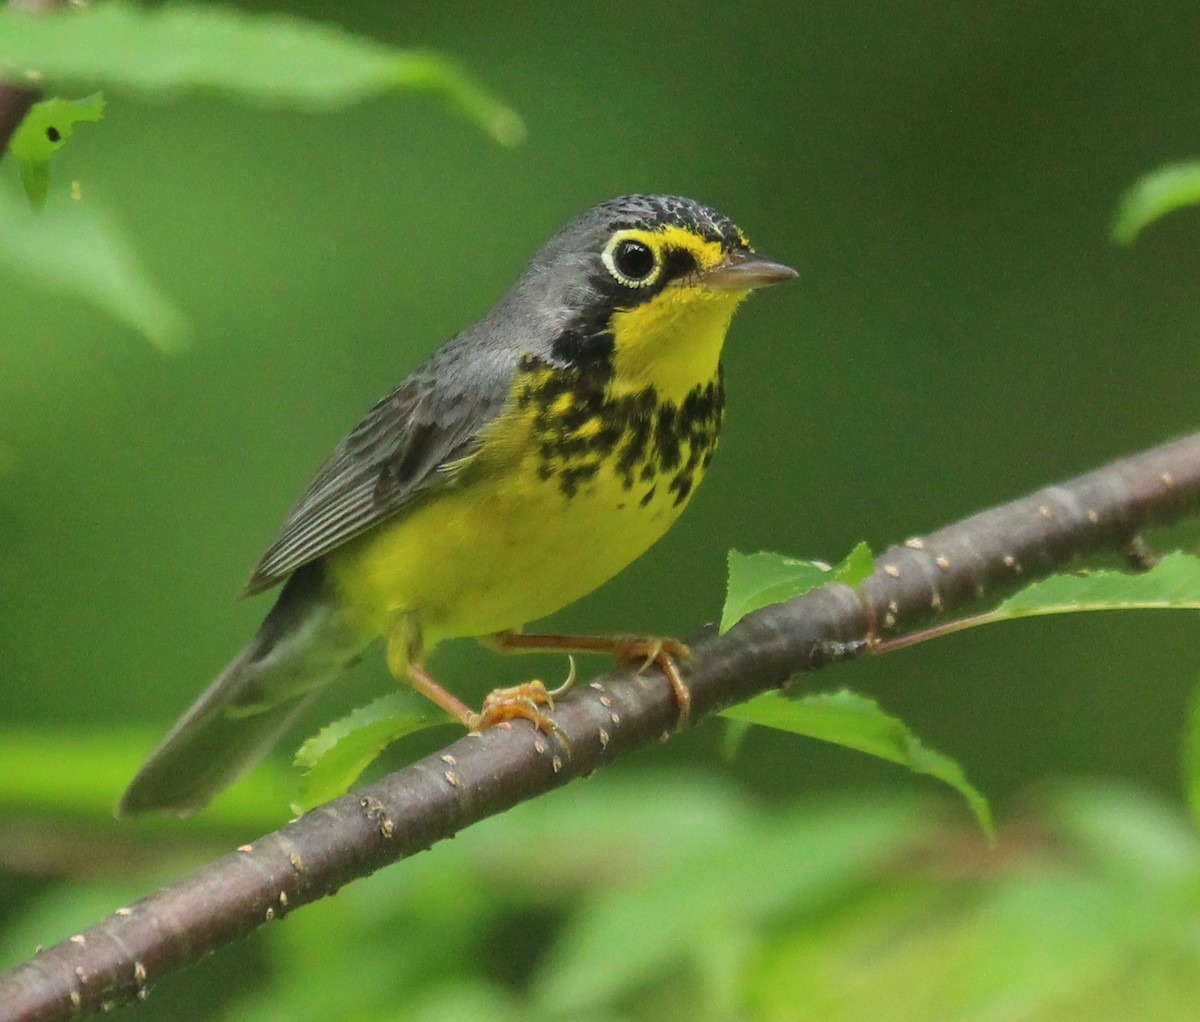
pixel 501 547
pixel 570 484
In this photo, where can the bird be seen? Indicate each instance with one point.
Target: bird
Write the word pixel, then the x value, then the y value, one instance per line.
pixel 530 459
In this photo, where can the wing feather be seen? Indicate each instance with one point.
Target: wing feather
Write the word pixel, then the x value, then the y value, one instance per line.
pixel 415 440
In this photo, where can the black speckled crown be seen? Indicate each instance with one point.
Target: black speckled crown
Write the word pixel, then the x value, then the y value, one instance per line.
pixel 654 211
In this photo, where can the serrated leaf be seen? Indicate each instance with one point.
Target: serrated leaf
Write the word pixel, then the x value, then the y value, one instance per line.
pixel 1153 196
pixel 851 720
pixel 42 133
pixel 274 59
pixel 856 566
pixel 1173 583
pixel 334 757
pixel 78 249
pixel 757 580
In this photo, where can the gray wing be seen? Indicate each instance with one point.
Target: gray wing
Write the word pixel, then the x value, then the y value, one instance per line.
pixel 411 442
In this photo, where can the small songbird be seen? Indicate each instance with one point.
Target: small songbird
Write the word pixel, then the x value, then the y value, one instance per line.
pixel 529 460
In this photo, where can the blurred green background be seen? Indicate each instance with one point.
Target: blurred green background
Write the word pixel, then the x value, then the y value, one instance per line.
pixel 942 176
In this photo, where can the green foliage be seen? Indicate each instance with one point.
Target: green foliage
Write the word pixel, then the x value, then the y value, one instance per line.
pixel 1172 584
pixel 1094 930
pixel 842 718
pixel 38 765
pixel 271 59
pixel 757 580
pixel 892 389
pixel 1153 196
pixel 856 722
pixel 81 250
pixel 1191 755
pixel 334 757
pixel 35 766
pixel 697 915
pixel 44 131
pixel 630 898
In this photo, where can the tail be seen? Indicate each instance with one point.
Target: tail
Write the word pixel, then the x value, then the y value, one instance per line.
pixel 302 645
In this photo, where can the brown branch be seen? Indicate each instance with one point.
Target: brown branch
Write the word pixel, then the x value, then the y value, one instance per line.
pixel 986 555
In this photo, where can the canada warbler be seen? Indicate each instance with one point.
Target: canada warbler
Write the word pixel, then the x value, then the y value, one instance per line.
pixel 529 460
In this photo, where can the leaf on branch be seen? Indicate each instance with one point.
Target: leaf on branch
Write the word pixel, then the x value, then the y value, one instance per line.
pixel 334 757
pixel 80 250
pixel 42 133
pixel 851 720
pixel 271 59
pixel 757 580
pixel 1172 584
pixel 1153 196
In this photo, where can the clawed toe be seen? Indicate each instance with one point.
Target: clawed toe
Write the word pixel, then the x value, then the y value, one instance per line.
pixel 666 653
pixel 522 702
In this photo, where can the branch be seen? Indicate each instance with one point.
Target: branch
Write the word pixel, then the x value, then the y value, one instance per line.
pixel 986 555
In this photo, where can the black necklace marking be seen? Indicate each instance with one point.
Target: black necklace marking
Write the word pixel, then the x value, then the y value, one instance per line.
pixel 577 428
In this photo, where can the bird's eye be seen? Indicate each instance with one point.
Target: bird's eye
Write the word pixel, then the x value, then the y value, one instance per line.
pixel 634 259
pixel 632 262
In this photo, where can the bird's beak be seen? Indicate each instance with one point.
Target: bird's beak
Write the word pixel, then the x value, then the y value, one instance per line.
pixel 745 271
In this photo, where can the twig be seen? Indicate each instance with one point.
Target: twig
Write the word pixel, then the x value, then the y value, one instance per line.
pixel 986 555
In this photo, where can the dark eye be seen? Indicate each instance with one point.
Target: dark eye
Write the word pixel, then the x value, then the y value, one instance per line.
pixel 634 259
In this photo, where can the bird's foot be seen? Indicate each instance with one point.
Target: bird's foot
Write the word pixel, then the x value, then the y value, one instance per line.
pixel 667 653
pixel 524 701
pixel 642 650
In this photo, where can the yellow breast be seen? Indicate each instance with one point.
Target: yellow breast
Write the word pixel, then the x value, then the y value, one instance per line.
pixel 575 479
pixel 555 503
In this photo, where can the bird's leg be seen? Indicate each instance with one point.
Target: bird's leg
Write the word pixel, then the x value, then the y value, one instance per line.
pixel 643 650
pixel 406 661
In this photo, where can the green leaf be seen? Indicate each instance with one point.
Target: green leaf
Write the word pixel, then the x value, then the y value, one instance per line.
pixel 757 580
pixel 856 567
pixel 1153 196
pixel 856 722
pixel 1173 583
pixel 78 249
pixel 43 132
pixel 272 59
pixel 334 757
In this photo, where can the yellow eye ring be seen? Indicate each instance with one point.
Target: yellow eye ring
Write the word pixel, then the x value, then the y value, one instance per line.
pixel 631 261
